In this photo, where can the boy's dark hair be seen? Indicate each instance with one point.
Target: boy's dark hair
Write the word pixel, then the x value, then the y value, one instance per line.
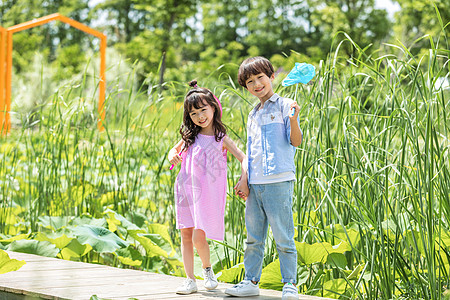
pixel 254 66
pixel 196 98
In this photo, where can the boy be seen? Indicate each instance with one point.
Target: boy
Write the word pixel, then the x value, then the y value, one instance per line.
pixel 273 134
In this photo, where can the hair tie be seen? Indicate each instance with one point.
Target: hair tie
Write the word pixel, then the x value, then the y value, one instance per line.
pixel 220 105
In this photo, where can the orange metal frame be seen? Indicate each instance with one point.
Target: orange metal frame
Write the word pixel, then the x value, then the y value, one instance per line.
pixel 6 46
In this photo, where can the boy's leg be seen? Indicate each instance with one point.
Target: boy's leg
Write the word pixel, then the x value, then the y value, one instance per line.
pixel 277 200
pixel 256 224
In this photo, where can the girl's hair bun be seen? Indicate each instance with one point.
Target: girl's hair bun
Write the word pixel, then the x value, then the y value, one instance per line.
pixel 193 83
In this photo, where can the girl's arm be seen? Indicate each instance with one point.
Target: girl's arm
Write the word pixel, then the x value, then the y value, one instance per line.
pixel 233 149
pixel 242 186
pixel 174 156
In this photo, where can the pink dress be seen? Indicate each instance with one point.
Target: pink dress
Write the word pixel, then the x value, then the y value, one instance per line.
pixel 201 186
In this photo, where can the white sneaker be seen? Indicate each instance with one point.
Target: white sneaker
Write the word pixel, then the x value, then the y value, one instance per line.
pixel 210 279
pixel 290 292
pixel 243 288
pixel 189 286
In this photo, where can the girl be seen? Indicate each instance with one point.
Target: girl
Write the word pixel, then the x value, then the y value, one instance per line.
pixel 201 185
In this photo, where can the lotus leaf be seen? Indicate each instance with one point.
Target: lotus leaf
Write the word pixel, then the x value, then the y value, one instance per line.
pixel 100 238
pixel 60 240
pixel 42 248
pixel 129 256
pixel 7 264
pixel 232 274
pixel 318 252
pixel 74 251
pixel 334 288
pixel 271 276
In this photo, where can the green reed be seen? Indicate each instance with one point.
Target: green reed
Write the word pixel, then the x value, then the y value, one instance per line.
pixel 374 162
pixel 375 158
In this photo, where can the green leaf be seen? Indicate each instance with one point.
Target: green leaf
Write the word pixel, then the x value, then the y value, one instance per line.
pixel 414 240
pixel 74 250
pixel 318 252
pixel 271 276
pixel 129 256
pixel 10 215
pixel 337 260
pixel 95 297
pixel 176 265
pixel 334 288
pixel 340 232
pixel 7 264
pixel 138 218
pixel 43 248
pixel 232 274
pixel 154 244
pixel 163 231
pixel 355 272
pixel 60 240
pixel 157 242
pixel 101 239
pixel 303 274
pixel 15 238
pixel 117 219
pixel 87 220
pixel 53 223
pixel 444 240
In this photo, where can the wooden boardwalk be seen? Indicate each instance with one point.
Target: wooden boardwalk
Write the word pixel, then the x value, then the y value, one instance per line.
pixel 51 278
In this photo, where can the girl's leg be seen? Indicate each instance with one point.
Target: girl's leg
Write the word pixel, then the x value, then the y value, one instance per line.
pixel 187 251
pixel 202 247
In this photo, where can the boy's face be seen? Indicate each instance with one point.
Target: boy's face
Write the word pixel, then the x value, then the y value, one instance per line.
pixel 260 85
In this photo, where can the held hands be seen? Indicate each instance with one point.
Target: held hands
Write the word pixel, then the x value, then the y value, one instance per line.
pixel 174 157
pixel 241 188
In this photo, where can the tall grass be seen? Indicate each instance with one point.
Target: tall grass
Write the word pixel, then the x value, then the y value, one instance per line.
pixel 376 160
pixel 372 172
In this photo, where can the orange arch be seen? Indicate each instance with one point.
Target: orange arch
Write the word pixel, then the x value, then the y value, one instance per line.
pixel 4 117
pixel 6 47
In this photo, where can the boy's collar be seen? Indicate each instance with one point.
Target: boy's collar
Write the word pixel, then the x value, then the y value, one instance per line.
pixel 274 97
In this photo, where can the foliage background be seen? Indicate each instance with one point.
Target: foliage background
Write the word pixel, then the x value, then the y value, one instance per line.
pixel 372 191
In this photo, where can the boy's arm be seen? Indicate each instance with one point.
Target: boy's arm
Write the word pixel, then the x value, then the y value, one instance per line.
pixel 174 156
pixel 241 189
pixel 296 133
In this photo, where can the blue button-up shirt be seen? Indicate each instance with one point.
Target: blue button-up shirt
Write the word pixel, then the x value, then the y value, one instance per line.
pixel 269 149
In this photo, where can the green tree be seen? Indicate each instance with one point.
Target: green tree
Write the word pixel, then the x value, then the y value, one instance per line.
pixel 121 19
pixel 223 21
pixel 358 18
pixel 47 38
pixel 166 20
pixel 276 27
pixel 418 18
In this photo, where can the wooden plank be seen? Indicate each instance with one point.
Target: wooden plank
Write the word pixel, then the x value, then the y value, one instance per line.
pixel 88 274
pixel 51 278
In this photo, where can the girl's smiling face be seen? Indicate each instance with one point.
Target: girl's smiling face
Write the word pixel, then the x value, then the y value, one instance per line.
pixel 202 116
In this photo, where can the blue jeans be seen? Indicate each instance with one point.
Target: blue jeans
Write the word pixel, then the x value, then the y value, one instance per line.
pixel 270 204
